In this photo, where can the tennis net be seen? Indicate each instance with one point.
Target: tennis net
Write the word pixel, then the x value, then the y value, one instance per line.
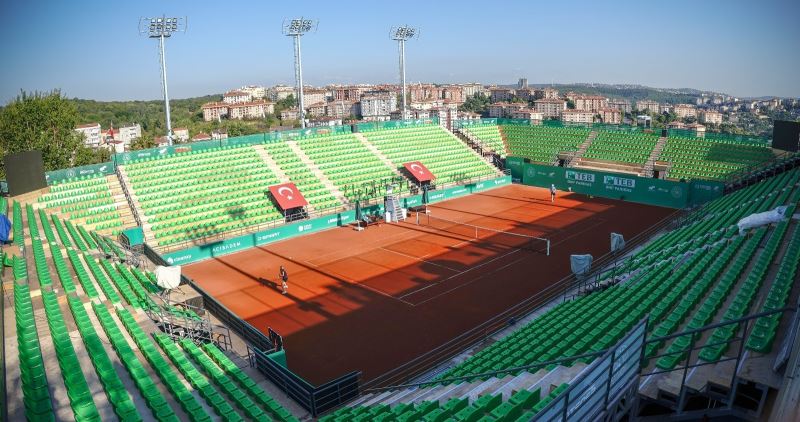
pixel 485 234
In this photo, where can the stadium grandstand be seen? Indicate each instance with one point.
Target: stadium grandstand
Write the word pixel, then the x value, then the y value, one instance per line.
pixel 431 277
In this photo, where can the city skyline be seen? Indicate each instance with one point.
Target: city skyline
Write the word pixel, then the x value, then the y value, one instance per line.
pixel 744 51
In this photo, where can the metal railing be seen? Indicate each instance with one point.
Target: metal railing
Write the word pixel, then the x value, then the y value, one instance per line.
pixel 747 175
pixel 567 288
pixel 692 360
pixel 128 197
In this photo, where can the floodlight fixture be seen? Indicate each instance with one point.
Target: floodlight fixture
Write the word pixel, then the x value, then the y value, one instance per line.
pixel 296 28
pixel 161 28
pixel 401 34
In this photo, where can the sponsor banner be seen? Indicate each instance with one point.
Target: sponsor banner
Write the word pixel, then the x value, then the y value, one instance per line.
pixel 288 196
pixel 609 185
pixel 702 191
pixel 57 176
pixel 516 166
pixel 458 191
pixel 240 243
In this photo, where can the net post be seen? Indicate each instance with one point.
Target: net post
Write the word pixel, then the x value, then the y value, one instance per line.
pixel 548 247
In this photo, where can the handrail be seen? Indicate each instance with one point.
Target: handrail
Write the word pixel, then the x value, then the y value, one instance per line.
pixel 747 172
pixel 128 197
pixel 560 288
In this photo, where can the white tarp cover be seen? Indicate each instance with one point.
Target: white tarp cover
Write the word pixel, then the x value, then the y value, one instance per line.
pixel 762 219
pixel 617 242
pixel 580 264
pixel 168 277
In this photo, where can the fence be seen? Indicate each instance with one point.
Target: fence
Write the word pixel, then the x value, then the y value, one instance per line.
pixel 314 399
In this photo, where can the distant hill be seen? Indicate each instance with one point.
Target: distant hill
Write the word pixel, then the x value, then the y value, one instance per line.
pixel 631 92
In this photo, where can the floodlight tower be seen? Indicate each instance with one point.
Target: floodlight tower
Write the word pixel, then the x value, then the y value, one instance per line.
pixel 161 28
pixel 401 34
pixel 295 28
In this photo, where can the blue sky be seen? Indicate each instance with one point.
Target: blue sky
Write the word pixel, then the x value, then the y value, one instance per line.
pixel 91 49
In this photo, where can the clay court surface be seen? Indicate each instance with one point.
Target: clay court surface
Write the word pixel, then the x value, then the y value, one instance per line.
pixel 372 300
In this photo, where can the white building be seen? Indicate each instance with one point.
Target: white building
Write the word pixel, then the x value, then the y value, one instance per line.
pixel 711 117
pixel 378 105
pixel 550 107
pixel 685 110
pixel 181 134
pixel 91 134
pixel 648 105
pixel 469 90
pixel 577 116
pixel 255 91
pixel 279 92
pixel 236 97
pixel 126 134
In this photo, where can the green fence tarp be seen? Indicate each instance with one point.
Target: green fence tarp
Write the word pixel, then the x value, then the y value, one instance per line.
pixel 624 187
pixel 702 191
pixel 516 166
pixel 92 170
pixel 134 236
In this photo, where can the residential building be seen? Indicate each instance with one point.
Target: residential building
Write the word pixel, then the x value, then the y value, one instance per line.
pixel 256 92
pixel 612 116
pixel 684 111
pixel 411 113
pixel 469 90
pixel 528 114
pixel 677 124
pixel 546 94
pixel 496 110
pixel 589 102
pixel 522 83
pixel 251 110
pixel 501 94
pixel 349 93
pixel 236 97
pixel 664 108
pixel 447 114
pixel 377 105
pixel 313 96
pixel 219 134
pixel 550 107
pixel 280 92
pixel 468 115
pixel 342 108
pixel 290 114
pixel 623 105
pixel 214 111
pixel 324 122
pixel 452 93
pixel 315 110
pixel 644 120
pixel 711 117
pixel 161 141
pixel 181 134
pixel 91 134
pixel 527 94
pixel 126 134
pixel 648 105
pixel 577 116
pixel 422 92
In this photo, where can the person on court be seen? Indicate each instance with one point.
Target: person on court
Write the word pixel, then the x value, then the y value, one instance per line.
pixel 552 192
pixel 284 279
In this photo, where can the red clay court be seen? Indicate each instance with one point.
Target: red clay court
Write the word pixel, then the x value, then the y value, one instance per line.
pixel 370 301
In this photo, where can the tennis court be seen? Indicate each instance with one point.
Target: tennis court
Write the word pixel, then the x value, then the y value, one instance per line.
pixel 372 300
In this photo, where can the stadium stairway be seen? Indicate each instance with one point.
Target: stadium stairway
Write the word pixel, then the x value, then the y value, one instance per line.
pixel 582 148
pixel 273 166
pixel 78 352
pixel 318 173
pixel 147 228
pixel 647 170
pixel 544 380
pixel 361 138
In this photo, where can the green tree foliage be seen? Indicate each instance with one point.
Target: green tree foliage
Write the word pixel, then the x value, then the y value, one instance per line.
pixel 478 103
pixel 45 121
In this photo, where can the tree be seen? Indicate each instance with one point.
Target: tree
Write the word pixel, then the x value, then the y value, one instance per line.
pixel 143 142
pixel 45 122
pixel 571 104
pixel 476 104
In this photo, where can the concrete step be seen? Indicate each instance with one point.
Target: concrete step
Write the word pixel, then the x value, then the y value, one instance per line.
pixel 317 172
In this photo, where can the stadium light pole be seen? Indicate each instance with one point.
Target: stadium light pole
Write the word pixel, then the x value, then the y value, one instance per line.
pixel 401 34
pixel 296 28
pixel 161 28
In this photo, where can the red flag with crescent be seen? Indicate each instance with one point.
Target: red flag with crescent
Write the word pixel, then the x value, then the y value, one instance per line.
pixel 419 171
pixel 288 196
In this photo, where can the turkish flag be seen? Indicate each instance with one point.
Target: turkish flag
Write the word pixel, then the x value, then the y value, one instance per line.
pixel 419 171
pixel 288 196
